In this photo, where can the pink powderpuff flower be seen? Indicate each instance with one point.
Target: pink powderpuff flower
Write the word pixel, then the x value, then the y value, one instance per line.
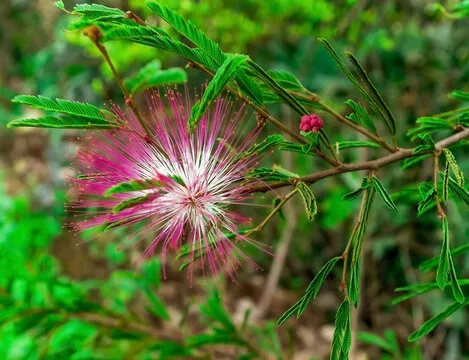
pixel 311 122
pixel 180 196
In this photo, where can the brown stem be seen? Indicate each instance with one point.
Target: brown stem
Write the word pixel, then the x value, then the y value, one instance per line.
pixel 95 34
pixel 261 226
pixel 401 154
pixel 445 143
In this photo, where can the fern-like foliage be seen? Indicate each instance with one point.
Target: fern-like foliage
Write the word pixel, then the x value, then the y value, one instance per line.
pixel 63 122
pixel 63 106
pixel 150 37
pixel 151 75
pixel 96 10
pixel 189 30
pixel 215 87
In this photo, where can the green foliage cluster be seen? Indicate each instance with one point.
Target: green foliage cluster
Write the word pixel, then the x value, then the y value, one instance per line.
pixel 46 315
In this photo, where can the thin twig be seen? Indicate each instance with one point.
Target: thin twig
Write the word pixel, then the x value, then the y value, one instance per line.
pixel 401 154
pixel 261 226
pixel 95 34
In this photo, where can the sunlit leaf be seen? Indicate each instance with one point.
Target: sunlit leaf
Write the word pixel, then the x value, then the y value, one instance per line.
pixel 215 87
pixel 430 324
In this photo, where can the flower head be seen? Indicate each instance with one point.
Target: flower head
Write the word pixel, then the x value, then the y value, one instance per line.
pixel 311 122
pixel 178 185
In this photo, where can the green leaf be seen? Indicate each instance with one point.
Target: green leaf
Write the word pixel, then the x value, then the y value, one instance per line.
pixel 356 144
pixel 64 122
pixel 446 182
pixel 421 148
pixel 446 267
pixel 157 307
pixel 96 10
pixel 341 340
pixel 189 30
pixel 126 204
pixel 60 4
pixel 428 198
pixel 345 69
pixel 64 106
pixel 384 110
pixel 355 273
pixel 104 23
pixel 308 199
pixel 351 77
pixel 215 87
pixel 249 87
pixel 151 76
pixel 214 310
pixel 427 139
pixel 286 79
pixel 307 149
pixel 132 185
pixel 429 144
pixel 364 185
pixel 313 138
pixel 267 144
pixel 357 237
pixel 384 194
pixel 409 162
pixel 461 95
pixel 219 337
pixel 461 192
pixel 310 293
pixel 276 202
pixel 451 160
pixel 268 174
pixel 433 262
pixel 277 88
pixel 430 324
pixel 443 270
pixel 372 339
pixel 427 125
pixel 360 115
pixel 288 314
pixel 417 290
pixel 315 285
pixel 155 38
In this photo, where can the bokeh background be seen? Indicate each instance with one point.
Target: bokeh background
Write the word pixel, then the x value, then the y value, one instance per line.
pixel 70 296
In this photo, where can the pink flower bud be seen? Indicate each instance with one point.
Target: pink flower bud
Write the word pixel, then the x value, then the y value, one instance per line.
pixel 311 122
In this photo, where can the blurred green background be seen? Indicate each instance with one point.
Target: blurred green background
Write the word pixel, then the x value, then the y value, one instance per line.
pixel 70 296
